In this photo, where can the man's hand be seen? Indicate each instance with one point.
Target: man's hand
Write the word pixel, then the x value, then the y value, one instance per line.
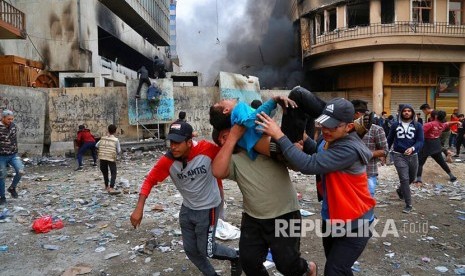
pixel 299 145
pixel 268 126
pixel 136 217
pixel 284 102
pixel 408 151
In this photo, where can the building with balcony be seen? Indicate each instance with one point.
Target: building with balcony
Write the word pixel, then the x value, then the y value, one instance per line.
pixel 173 51
pixel 387 52
pixel 92 42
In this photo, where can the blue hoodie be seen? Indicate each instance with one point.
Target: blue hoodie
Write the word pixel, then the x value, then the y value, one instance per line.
pixel 404 138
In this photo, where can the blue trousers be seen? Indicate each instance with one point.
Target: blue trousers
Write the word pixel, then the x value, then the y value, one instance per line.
pixel 18 166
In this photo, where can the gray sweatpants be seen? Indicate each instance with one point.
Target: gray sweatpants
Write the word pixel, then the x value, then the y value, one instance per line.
pixel 406 166
pixel 198 236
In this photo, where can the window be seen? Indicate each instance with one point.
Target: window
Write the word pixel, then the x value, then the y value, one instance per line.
pixel 422 11
pixel 387 11
pixel 331 20
pixel 456 12
pixel 319 27
pixel 358 14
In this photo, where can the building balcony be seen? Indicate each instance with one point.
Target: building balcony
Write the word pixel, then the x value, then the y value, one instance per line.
pixel 407 41
pixel 12 22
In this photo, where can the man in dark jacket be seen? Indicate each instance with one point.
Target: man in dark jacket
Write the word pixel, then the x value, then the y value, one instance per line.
pixel 143 75
pixel 406 136
pixel 9 154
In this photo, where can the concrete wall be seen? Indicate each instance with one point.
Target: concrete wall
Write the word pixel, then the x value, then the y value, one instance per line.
pixel 51 117
pixel 29 106
pixel 94 107
pixel 196 102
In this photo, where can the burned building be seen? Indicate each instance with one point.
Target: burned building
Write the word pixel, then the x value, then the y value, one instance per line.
pixel 386 52
pixel 92 42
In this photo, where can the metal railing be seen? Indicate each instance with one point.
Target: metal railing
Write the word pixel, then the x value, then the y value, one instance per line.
pixel 13 17
pixel 397 28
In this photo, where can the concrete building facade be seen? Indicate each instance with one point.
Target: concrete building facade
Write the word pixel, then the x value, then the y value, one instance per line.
pixel 387 52
pixel 93 43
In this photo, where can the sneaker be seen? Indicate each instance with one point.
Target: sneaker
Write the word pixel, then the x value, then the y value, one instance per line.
pixel 95 164
pixel 453 179
pixel 399 194
pixel 236 267
pixel 13 192
pixel 408 209
pixel 2 200
pixel 80 168
pixel 137 96
pixel 456 155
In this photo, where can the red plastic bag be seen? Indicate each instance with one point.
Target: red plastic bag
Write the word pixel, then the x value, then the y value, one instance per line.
pixel 47 223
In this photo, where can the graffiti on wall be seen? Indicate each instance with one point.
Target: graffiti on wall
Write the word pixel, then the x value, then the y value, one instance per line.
pixel 94 109
pixel 29 116
pixel 143 112
pixel 196 107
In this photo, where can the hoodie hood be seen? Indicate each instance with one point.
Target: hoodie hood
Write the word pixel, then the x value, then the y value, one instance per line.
pixel 405 106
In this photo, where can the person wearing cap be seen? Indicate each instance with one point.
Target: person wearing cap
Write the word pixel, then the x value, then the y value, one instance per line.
pixel 300 106
pixel 341 161
pixel 188 164
pixel 269 198
pixel 9 154
pixel 85 141
pixel 406 139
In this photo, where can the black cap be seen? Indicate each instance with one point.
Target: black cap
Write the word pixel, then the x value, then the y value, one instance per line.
pixel 81 127
pixel 336 111
pixel 180 132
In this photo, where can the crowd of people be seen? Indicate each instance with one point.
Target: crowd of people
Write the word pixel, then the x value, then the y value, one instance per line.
pixel 339 141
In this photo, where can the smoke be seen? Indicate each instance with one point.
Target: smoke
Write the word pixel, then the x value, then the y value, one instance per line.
pixel 250 37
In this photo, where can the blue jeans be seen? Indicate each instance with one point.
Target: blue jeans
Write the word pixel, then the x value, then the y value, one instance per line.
pixel 17 164
pixel 83 148
pixel 372 183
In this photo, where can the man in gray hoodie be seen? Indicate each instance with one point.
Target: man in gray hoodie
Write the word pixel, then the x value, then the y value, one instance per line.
pixel 341 161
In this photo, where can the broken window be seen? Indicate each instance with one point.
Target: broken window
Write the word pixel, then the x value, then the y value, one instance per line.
pixel 387 11
pixel 319 26
pixel 422 11
pixel 456 11
pixel 330 18
pixel 358 14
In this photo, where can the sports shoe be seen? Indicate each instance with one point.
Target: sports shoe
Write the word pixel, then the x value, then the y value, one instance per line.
pixel 408 209
pixel 95 164
pixel 236 266
pixel 13 192
pixel 2 200
pixel 456 155
pixel 80 168
pixel 453 179
pixel 399 194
